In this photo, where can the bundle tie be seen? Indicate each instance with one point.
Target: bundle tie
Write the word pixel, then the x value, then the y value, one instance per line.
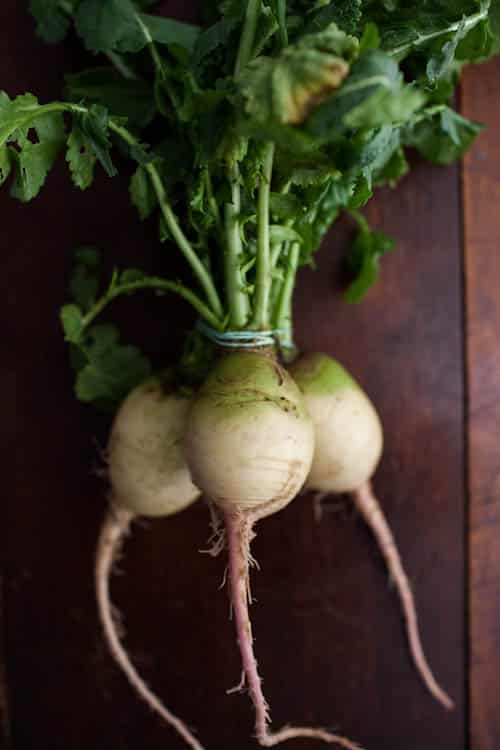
pixel 240 339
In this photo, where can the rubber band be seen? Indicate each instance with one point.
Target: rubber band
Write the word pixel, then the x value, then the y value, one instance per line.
pixel 239 339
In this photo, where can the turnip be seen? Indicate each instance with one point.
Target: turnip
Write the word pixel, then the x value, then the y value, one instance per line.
pixel 348 447
pixel 248 139
pixel 149 477
pixel 249 446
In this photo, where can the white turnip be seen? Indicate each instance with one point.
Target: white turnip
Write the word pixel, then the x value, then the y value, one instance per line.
pixel 249 446
pixel 348 447
pixel 149 477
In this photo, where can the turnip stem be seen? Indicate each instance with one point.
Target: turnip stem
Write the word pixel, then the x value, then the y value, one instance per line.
pixel 245 48
pixel 200 271
pixel 239 535
pixel 237 300
pixel 283 319
pixel 369 507
pixel 158 284
pixel 263 263
pixel 113 532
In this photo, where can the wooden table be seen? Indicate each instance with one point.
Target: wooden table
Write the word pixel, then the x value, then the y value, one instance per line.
pixel 425 344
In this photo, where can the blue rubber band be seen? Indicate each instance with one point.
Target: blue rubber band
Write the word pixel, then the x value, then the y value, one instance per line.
pixel 239 339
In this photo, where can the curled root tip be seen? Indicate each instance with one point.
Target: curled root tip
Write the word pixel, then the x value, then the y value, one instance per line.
pixel 270 739
pixel 445 700
pixel 112 535
pixel 369 507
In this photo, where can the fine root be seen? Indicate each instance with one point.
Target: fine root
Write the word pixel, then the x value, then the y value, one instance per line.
pixel 113 532
pixel 370 509
pixel 239 528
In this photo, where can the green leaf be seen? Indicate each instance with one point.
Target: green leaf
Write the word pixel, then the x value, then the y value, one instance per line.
pixel 424 28
pixel 345 13
pixel 385 106
pixel 267 26
pixel 93 128
pixel 142 194
pixel 279 234
pixel 286 88
pixel 325 202
pixel 442 138
pixel 52 24
pixel 111 369
pixel 440 63
pixel 33 143
pixel 110 25
pixel 363 261
pixel 5 164
pixel 372 152
pixel 116 25
pixel 285 206
pixel 305 176
pixel 373 94
pixel 81 159
pixel 210 39
pixel 494 18
pixel 395 168
pixel 72 323
pixel 171 32
pixel 132 99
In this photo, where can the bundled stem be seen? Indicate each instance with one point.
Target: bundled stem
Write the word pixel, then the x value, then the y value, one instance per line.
pixel 283 316
pixel 112 535
pixel 237 300
pixel 239 535
pixel 263 263
pixel 247 36
pixel 369 508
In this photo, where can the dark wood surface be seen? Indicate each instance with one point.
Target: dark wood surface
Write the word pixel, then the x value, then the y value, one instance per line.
pixel 329 634
pixel 481 187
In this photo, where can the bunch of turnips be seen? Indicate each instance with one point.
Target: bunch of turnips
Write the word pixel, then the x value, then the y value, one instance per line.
pixel 248 135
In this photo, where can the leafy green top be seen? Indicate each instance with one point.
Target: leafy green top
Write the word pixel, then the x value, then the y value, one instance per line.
pixel 250 133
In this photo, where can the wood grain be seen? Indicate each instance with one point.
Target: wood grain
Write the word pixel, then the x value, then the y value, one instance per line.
pixel 329 635
pixel 481 186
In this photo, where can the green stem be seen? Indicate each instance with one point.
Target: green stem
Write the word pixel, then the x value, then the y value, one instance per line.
pixel 359 219
pixel 247 36
pixel 283 317
pixel 469 23
pixel 276 282
pixel 282 22
pixel 236 298
pixel 121 66
pixel 275 254
pixel 198 268
pixel 156 283
pixel 263 262
pixel 161 73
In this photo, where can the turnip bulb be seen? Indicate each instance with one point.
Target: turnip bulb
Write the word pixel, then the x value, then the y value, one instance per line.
pixel 348 448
